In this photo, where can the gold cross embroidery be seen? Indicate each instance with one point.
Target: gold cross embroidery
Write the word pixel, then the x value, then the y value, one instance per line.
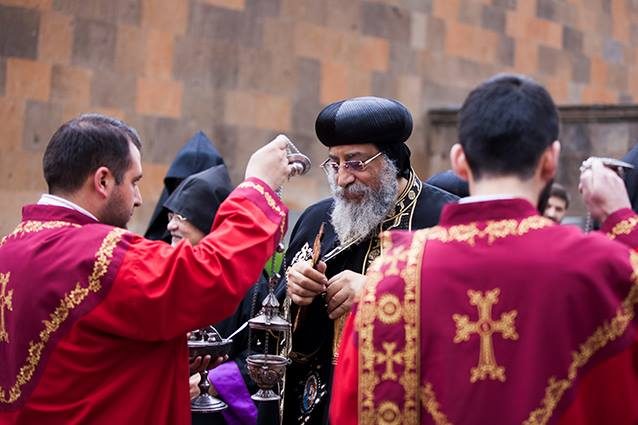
pixel 389 358
pixel 5 301
pixel 394 260
pixel 485 327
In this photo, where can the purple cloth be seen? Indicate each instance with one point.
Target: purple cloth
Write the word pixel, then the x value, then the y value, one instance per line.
pixel 231 388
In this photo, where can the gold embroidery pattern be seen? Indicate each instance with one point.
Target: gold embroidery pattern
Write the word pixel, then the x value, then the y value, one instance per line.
pixel 623 228
pixel 603 335
pixel 71 300
pixel 408 353
pixel 428 398
pixel 33 226
pixel 389 413
pixel 469 233
pixel 5 302
pixel 389 357
pixel 485 327
pixel 390 311
pixel 269 200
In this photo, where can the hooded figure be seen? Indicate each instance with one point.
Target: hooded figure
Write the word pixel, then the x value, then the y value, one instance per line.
pixel 196 155
pixel 199 196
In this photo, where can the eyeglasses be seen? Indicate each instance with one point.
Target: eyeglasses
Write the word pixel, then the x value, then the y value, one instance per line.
pixel 330 166
pixel 178 217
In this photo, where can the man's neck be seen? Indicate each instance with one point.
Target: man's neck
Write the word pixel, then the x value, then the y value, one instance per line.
pixel 403 182
pixel 67 202
pixel 510 186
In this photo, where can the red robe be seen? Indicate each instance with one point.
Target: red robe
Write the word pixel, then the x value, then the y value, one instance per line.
pixel 497 316
pixel 98 316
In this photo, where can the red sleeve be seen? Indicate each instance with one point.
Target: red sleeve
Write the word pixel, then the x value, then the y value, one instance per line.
pixel 622 226
pixel 161 292
pixel 344 400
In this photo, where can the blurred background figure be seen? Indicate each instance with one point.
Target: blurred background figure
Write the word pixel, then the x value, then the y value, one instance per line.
pixel 196 155
pixel 557 203
pixel 450 182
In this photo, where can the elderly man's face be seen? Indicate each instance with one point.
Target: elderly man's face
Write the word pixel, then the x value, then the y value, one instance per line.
pixel 346 177
pixel 363 195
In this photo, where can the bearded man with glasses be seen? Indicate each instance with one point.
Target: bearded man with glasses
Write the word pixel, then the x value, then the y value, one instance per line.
pixel 374 189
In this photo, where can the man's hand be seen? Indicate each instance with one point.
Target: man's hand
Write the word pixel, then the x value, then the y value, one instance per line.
pixel 343 290
pixel 305 282
pixel 200 364
pixel 193 386
pixel 270 163
pixel 602 189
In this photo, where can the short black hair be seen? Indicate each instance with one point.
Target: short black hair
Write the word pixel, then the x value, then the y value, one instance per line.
pixel 84 144
pixel 559 191
pixel 505 124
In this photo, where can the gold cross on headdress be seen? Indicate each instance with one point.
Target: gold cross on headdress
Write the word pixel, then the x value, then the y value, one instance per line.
pixel 485 327
pixel 5 301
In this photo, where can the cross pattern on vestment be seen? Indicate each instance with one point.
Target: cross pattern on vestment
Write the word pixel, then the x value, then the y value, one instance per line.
pixel 394 260
pixel 389 357
pixel 5 302
pixel 485 327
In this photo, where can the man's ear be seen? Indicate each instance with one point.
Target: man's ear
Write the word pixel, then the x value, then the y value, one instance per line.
pixel 549 161
pixel 103 181
pixel 459 163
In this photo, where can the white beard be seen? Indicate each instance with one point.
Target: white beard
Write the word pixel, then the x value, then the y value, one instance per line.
pixel 358 219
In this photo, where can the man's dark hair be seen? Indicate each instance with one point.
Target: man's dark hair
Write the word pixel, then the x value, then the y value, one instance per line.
pixel 505 124
pixel 559 191
pixel 84 144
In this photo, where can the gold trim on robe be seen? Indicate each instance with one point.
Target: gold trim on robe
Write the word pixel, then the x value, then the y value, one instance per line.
pixel 70 301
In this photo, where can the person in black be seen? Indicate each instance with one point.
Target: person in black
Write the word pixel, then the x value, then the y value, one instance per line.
pixel 197 154
pixel 374 189
pixel 191 210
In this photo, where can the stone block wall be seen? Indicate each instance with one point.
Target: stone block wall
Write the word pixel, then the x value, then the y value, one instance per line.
pixel 244 70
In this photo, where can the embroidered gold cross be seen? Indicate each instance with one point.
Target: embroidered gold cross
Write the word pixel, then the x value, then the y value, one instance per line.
pixel 485 327
pixel 5 301
pixel 389 358
pixel 394 260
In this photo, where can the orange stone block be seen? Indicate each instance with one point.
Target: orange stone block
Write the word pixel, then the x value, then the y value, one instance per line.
pixel 470 42
pixel 28 79
pixel 71 85
pixel 159 54
pixel 29 4
pixel 11 117
pixel 313 41
pixel 545 32
pixel 165 15
pixel 409 93
pixel 159 97
pixel 228 4
pixel 258 110
pixel 598 71
pixel 240 108
pixel 359 82
pixel 526 7
pixel 55 38
pixel 446 9
pixel 558 89
pixel 526 56
pixel 129 50
pixel 334 82
pixel 273 112
pixel 598 94
pixel 622 21
pixel 515 24
pixel 373 54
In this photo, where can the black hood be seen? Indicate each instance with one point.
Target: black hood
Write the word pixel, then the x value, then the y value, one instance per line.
pixel 197 154
pixel 199 196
